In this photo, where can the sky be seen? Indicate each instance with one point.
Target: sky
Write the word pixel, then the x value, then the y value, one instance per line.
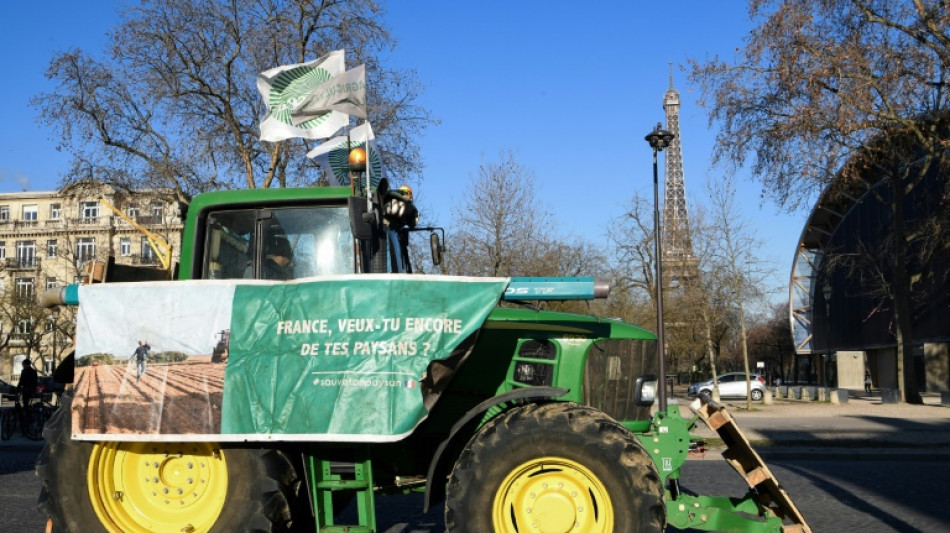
pixel 570 88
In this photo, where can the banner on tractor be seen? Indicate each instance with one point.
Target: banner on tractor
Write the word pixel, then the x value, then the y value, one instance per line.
pixel 321 359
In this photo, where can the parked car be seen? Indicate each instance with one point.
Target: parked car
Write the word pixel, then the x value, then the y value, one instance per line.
pixel 732 385
pixel 7 390
pixel 49 385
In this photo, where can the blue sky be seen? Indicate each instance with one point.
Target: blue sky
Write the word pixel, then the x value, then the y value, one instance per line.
pixel 570 88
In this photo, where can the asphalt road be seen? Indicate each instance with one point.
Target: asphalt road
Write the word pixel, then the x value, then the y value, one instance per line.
pixel 834 495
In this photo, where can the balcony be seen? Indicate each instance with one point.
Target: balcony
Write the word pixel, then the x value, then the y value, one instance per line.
pixel 145 260
pixel 20 224
pixel 88 221
pixel 15 263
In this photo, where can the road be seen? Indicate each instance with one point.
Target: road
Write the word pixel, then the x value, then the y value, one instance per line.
pixel 842 495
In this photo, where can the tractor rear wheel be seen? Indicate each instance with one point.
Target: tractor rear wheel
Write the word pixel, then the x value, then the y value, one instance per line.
pixel 554 467
pixel 132 487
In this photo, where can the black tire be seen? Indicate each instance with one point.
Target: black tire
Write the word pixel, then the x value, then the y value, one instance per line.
pixel 31 424
pixel 756 395
pixel 597 461
pixel 7 424
pixel 260 484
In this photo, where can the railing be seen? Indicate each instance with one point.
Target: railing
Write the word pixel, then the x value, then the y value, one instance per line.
pixel 145 260
pixel 88 221
pixel 14 263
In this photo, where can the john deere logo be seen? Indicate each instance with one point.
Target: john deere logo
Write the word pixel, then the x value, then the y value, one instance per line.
pixel 290 88
pixel 340 163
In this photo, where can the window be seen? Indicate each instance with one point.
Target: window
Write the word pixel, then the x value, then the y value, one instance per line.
pixel 50 324
pixel 55 211
pixel 3 250
pixel 51 282
pixel 24 288
pixel 24 326
pixel 148 254
pixel 132 212
pixel 85 250
pixel 320 239
pixel 30 213
pixel 89 210
pixel 125 246
pixel 157 209
pixel 26 253
pixel 52 248
pixel 4 213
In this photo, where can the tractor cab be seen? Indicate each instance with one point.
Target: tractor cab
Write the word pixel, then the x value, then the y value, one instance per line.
pixel 278 234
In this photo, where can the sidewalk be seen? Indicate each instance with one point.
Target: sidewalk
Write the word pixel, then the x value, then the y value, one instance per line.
pixel 862 428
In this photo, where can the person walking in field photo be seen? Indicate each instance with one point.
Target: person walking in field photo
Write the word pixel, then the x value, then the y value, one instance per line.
pixel 141 354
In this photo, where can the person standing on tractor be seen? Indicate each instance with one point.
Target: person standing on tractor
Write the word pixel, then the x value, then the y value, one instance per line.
pixel 26 388
pixel 141 353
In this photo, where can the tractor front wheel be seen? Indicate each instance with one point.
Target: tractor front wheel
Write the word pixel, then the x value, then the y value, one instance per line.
pixel 555 467
pixel 132 487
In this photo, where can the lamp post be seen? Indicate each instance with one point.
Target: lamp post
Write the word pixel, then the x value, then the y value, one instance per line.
pixel 659 139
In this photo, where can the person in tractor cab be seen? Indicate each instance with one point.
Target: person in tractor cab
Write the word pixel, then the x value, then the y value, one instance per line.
pixel 278 260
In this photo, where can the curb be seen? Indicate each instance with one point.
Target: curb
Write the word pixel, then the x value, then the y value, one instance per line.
pixel 779 453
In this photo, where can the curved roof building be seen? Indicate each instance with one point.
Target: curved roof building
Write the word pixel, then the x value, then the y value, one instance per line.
pixel 842 277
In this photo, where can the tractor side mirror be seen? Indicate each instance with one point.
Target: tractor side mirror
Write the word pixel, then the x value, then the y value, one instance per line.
pixel 436 247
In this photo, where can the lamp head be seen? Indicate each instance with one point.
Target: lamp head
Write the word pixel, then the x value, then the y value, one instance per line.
pixel 659 138
pixel 357 160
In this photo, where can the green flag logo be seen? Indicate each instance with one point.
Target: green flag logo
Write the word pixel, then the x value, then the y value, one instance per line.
pixel 340 162
pixel 290 88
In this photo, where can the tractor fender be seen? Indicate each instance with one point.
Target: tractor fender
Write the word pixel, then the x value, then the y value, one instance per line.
pixel 532 393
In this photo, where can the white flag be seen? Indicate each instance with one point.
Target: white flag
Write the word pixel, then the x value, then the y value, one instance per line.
pixel 284 87
pixel 333 155
pixel 345 93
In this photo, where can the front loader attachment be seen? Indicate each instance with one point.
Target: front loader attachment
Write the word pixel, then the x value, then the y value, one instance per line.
pixel 765 490
pixel 766 507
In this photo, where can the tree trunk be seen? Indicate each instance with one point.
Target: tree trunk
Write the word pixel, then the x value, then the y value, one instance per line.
pixel 903 321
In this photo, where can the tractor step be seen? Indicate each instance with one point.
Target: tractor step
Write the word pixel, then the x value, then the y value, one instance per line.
pixel 330 479
pixel 739 453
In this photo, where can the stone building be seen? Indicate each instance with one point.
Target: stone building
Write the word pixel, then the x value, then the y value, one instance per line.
pixel 46 240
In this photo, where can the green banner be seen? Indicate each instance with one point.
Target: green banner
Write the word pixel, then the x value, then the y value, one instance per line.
pixel 323 359
pixel 343 357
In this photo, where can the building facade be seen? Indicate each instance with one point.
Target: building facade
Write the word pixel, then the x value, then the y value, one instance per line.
pixel 46 240
pixel 842 309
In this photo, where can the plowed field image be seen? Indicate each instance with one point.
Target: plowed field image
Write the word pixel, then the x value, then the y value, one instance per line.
pixel 172 398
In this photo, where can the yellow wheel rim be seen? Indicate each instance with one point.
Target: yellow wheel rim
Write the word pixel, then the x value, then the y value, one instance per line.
pixel 160 487
pixel 552 495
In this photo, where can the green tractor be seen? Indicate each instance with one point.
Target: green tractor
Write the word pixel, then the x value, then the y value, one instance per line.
pixel 518 419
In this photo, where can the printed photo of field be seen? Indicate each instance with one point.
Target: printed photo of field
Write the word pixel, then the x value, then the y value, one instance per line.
pixel 178 398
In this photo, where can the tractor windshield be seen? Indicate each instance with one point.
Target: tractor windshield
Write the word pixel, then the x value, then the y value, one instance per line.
pixel 284 243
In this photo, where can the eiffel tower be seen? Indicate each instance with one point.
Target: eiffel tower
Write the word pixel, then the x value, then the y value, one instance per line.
pixel 680 266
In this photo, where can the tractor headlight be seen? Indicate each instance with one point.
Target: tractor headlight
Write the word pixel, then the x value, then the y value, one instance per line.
pixel 645 390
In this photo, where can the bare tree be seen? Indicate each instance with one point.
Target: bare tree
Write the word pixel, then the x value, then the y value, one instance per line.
pixel 818 83
pixel 772 339
pixel 501 229
pixel 23 322
pixel 631 237
pixel 744 271
pixel 175 103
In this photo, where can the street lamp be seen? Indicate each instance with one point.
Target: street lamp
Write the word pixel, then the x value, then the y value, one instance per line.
pixel 659 139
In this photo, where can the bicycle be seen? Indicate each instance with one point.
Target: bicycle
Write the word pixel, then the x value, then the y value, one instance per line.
pixel 30 419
